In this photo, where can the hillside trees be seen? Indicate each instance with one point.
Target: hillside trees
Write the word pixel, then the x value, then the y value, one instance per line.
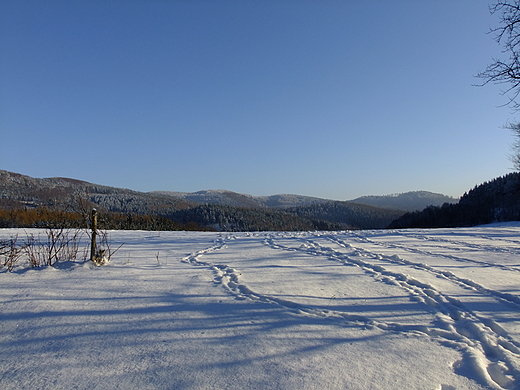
pixel 347 215
pixel 43 217
pixel 229 218
pixel 495 201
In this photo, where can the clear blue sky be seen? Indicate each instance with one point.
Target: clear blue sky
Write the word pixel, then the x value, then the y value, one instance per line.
pixel 335 99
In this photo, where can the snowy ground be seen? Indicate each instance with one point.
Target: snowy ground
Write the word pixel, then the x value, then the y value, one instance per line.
pixel 406 309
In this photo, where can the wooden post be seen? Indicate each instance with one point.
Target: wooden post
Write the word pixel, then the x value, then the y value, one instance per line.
pixel 93 246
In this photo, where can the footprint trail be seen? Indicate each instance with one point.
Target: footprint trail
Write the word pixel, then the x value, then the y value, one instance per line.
pixel 487 348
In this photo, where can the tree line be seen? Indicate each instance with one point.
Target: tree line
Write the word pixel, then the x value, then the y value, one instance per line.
pixel 43 217
pixel 495 201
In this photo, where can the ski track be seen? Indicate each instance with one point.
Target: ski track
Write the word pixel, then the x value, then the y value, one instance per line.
pixel 486 347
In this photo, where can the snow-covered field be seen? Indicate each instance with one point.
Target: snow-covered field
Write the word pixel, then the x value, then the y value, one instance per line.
pixel 406 309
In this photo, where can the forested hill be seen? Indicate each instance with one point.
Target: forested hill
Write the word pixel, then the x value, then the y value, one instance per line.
pixel 408 201
pixel 495 201
pixel 230 198
pixel 350 215
pixel 18 190
pixel 324 216
pixel 35 201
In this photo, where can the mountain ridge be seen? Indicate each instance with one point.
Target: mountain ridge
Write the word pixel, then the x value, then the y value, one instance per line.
pixel 408 201
pixel 215 209
pixel 230 198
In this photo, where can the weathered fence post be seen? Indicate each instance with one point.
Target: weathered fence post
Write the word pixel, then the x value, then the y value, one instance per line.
pixel 93 246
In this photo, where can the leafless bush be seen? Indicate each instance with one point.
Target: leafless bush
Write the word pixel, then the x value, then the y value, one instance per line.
pixel 57 245
pixel 31 250
pixel 10 252
pixel 52 246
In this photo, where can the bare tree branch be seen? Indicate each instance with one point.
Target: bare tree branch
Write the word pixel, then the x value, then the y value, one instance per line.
pixel 507 34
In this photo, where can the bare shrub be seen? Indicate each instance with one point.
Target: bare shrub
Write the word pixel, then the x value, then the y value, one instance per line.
pixel 52 246
pixel 32 251
pixel 10 252
pixel 57 245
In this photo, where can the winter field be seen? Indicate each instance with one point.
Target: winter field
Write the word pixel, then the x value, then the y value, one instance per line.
pixel 381 309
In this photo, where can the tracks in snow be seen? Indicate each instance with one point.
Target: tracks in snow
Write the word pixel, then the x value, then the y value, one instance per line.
pixel 457 246
pixel 492 353
pixel 461 244
pixel 463 282
pixel 228 277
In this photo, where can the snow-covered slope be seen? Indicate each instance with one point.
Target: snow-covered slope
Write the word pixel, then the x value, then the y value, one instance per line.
pixel 405 309
pixel 408 201
pixel 230 198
